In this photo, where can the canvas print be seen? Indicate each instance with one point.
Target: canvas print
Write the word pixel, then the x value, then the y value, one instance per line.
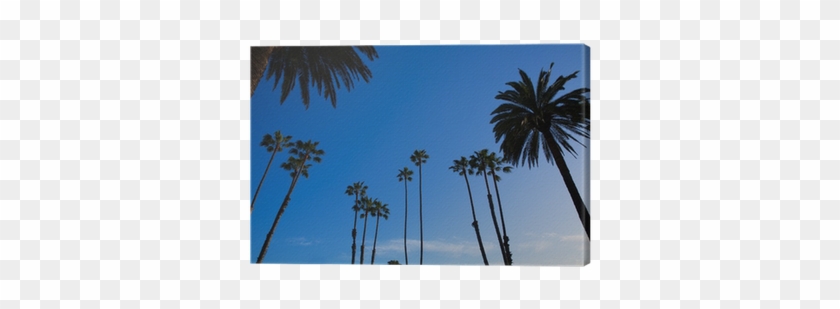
pixel 420 155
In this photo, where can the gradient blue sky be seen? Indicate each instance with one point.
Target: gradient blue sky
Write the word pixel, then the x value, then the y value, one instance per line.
pixel 437 98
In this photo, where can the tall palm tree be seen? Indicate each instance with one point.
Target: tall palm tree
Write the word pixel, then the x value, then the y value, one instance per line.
pixel 380 210
pixel 367 207
pixel 462 168
pixel 532 118
pixel 404 175
pixel 357 188
pixel 478 162
pixel 325 67
pixel 418 158
pixel 302 152
pixel 496 164
pixel 273 145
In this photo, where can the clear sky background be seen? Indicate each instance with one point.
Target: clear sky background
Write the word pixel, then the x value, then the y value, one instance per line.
pixel 437 98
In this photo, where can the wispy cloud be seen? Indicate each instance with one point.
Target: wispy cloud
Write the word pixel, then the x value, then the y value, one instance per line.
pixel 532 249
pixel 301 241
pixel 549 241
pixel 455 248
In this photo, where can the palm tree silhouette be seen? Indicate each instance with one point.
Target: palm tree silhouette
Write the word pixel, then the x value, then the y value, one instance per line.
pixel 404 176
pixel 532 116
pixel 462 168
pixel 325 67
pixel 497 164
pixel 380 210
pixel 357 188
pixel 273 145
pixel 419 157
pixel 478 162
pixel 302 152
pixel 366 207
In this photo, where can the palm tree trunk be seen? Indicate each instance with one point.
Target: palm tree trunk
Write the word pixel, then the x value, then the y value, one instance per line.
pixel 259 61
pixel 502 217
pixel 254 200
pixel 475 222
pixel 405 225
pixel 583 213
pixel 420 168
pixel 277 219
pixel 364 235
pixel 495 223
pixel 375 236
pixel 355 217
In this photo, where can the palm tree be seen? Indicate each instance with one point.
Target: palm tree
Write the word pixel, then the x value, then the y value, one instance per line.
pixel 478 162
pixel 462 168
pixel 496 164
pixel 326 67
pixel 532 116
pixel 418 158
pixel 357 188
pixel 366 207
pixel 301 153
pixel 404 175
pixel 273 145
pixel 380 210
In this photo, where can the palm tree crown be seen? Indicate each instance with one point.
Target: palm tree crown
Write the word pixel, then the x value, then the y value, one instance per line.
pixel 379 209
pixel 278 141
pixel 479 161
pixel 419 157
pixel 304 151
pixel 530 116
pixel 496 164
pixel 358 189
pixel 405 174
pixel 367 207
pixel 324 67
pixel 462 167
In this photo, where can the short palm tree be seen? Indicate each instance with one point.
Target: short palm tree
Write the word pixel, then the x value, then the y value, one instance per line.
pixel 496 164
pixel 478 162
pixel 462 168
pixel 325 67
pixel 367 208
pixel 532 118
pixel 357 188
pixel 302 152
pixel 404 176
pixel 273 145
pixel 380 210
pixel 418 158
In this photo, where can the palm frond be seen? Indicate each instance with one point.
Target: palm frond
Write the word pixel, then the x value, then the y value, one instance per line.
pixel 324 67
pixel 267 142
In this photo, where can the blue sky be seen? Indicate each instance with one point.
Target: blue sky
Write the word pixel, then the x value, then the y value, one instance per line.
pixel 437 98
